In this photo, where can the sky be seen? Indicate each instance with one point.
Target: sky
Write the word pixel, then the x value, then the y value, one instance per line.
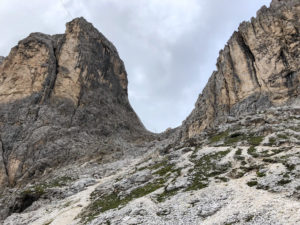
pixel 169 47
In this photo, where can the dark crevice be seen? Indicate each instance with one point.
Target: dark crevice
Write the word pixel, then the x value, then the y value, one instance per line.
pixel 215 96
pixel 4 158
pixel 284 59
pixel 77 105
pixel 290 79
pixel 260 24
pixel 24 201
pixel 53 71
pixel 249 57
pixel 237 80
pixel 253 28
pixel 227 90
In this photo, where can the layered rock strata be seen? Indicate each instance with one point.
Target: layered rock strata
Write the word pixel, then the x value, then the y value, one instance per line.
pixel 258 68
pixel 62 98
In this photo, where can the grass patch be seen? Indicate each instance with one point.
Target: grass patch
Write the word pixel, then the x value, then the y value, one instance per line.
pixel 41 187
pixel 224 179
pixel 255 140
pixel 218 137
pixel 166 194
pixel 59 182
pixel 164 170
pixel 238 152
pixel 270 160
pixel 252 151
pixel 157 165
pixel 272 141
pixel 283 182
pixel 252 183
pixel 112 201
pixel 206 167
pixel 282 136
pixel 38 190
pixel 260 174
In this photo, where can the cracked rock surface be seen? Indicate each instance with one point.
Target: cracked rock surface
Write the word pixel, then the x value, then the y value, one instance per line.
pixel 73 151
pixel 258 68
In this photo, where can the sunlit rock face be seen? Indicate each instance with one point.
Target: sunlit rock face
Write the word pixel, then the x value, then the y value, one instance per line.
pixel 258 68
pixel 61 97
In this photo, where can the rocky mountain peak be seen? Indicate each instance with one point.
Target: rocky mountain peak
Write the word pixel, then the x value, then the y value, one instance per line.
pixel 257 69
pixel 59 94
pixel 279 3
pixel 80 26
pixel 72 150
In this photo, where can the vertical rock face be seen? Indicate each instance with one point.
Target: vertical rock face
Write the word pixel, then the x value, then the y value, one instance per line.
pixel 61 97
pixel 258 68
pixel 1 59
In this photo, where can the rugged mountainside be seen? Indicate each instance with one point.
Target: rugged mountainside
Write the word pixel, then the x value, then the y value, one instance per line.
pixel 1 59
pixel 63 98
pixel 258 68
pixel 74 152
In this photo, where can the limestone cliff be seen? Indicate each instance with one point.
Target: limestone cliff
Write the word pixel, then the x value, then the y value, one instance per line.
pixel 62 98
pixel 258 68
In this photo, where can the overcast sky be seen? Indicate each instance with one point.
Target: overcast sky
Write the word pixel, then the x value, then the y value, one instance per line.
pixel 169 47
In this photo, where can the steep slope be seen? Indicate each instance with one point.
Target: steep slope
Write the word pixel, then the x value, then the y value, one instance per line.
pixel 63 99
pixel 258 68
pixel 67 125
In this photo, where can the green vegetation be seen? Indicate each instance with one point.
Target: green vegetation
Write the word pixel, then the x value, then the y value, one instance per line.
pixel 283 182
pixel 166 194
pixel 282 136
pixel 67 204
pixel 158 164
pixel 218 137
pixel 59 182
pixel 230 139
pixel 255 140
pixel 260 174
pixel 249 218
pixel 234 138
pixel 290 167
pixel 113 200
pixel 206 167
pixel 270 160
pixel 272 141
pixel 40 189
pixel 238 152
pixel 224 179
pixel 252 183
pixel 252 151
pixel 164 170
pixel 236 173
pixel 37 190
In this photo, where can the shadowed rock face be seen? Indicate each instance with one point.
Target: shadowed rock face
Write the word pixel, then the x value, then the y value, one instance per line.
pixel 61 98
pixel 258 67
pixel 1 59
